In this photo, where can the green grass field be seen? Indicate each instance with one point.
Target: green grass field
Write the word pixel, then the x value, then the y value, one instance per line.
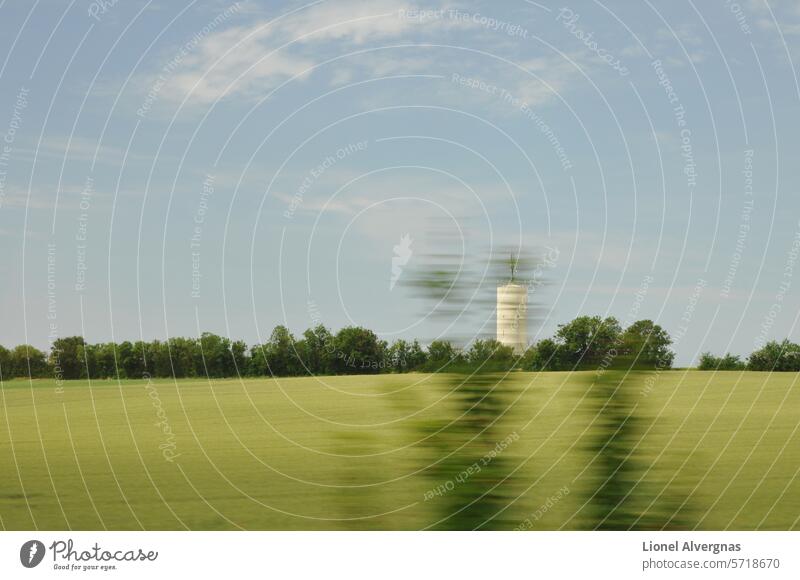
pixel 722 449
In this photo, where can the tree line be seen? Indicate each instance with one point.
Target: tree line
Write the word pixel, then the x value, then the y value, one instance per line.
pixel 587 342
pixel 352 350
pixel 783 356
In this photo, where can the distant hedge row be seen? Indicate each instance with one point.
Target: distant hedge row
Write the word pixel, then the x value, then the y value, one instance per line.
pixel 588 342
pixel 774 356
pixel 584 342
pixel 352 350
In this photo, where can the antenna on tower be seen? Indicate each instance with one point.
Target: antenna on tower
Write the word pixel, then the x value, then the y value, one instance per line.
pixel 512 263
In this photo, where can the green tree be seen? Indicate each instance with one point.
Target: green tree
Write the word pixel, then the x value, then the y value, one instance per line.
pixel 241 360
pixel 215 358
pixel 315 350
pixel 358 351
pixel 398 356
pixel 130 361
pixel 5 363
pixel 159 358
pixel 145 361
pixel 587 340
pixel 28 361
pixel 645 343
pixel 729 362
pixel 67 353
pixel 776 356
pixel 87 355
pixel 258 361
pixel 441 352
pixel 545 356
pixel 491 352
pixel 183 352
pixel 281 354
pixel 106 360
pixel 416 357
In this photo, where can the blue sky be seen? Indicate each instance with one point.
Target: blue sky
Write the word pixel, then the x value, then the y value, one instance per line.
pixel 174 167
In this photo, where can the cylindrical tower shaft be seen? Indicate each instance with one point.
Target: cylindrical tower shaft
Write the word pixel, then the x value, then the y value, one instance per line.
pixel 512 316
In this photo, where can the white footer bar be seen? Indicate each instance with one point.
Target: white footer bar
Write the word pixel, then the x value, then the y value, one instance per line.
pixel 401 555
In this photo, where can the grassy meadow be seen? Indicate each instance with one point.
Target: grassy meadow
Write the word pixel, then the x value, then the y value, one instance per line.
pixel 708 451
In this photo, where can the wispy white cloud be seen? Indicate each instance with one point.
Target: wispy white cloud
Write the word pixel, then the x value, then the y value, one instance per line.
pixel 77 148
pixel 685 33
pixel 551 75
pixel 44 198
pixel 38 199
pixel 786 28
pixel 247 60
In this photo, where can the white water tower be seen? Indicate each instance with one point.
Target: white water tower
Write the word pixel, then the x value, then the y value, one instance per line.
pixel 512 313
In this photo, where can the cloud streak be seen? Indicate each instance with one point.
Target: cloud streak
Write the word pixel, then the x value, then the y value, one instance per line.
pixel 247 61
